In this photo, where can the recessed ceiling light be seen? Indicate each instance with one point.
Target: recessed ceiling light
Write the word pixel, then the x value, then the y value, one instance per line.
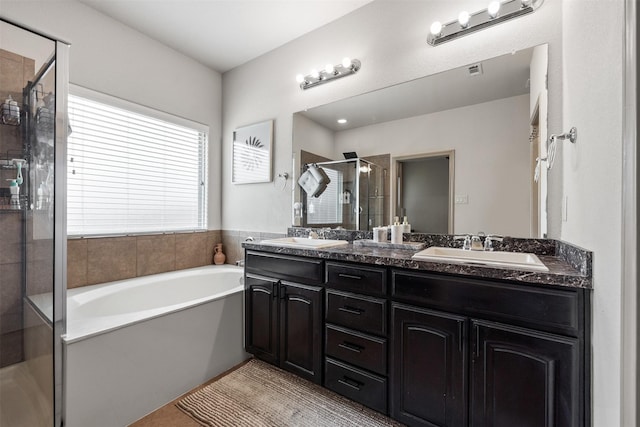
pixel 342 121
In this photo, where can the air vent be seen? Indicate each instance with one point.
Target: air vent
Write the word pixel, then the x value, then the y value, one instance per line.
pixel 475 70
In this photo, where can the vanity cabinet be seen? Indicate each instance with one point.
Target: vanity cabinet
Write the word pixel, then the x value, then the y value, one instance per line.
pixel 283 312
pixel 531 371
pixel 428 349
pixel 356 342
pixel 523 377
pixel 429 367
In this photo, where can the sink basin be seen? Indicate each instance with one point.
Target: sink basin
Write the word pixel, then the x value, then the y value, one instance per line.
pixel 303 242
pixel 500 259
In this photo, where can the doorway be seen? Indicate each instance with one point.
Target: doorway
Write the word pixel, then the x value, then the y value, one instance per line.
pixel 424 191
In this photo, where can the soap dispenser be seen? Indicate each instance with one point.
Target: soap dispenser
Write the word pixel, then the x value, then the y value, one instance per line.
pixel 396 231
pixel 406 226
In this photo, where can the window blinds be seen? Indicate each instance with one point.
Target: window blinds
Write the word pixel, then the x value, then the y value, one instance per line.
pixel 132 173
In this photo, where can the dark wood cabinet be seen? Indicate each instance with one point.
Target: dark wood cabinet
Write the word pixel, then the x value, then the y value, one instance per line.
pixel 301 330
pixel 429 367
pixel 524 378
pixel 429 349
pixel 261 322
pixel 283 319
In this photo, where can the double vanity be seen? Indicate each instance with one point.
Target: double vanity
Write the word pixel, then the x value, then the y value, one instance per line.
pixel 430 337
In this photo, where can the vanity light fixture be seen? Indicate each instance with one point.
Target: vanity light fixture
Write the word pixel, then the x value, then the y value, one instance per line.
pixel 466 23
pixel 329 73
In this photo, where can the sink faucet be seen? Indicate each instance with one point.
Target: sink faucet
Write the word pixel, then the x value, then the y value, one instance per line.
pixel 474 242
pixel 488 242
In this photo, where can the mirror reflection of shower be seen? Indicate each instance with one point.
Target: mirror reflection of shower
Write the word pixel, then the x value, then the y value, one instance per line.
pixel 354 198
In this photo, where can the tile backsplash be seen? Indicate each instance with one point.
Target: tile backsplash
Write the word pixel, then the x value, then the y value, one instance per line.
pixel 98 260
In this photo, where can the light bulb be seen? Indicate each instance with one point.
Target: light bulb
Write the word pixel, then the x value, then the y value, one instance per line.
pixel 315 74
pixel 463 19
pixel 493 9
pixel 436 28
pixel 346 62
pixel 299 78
pixel 342 121
pixel 329 69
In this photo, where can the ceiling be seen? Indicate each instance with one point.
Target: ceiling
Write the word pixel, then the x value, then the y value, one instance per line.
pixel 224 34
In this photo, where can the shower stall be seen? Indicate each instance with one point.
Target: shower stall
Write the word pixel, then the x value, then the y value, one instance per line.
pixel 354 198
pixel 33 128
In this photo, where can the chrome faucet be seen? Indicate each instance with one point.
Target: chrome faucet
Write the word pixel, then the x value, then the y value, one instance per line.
pixel 466 245
pixel 488 242
pixel 476 243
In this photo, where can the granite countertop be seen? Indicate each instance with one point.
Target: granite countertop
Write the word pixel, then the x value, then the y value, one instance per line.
pixel 563 270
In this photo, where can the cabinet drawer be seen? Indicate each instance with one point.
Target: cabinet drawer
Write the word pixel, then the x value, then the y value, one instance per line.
pixel 296 269
pixel 368 280
pixel 363 351
pixel 367 389
pixel 554 310
pixel 365 314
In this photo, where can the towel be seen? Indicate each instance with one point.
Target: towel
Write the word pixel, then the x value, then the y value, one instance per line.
pixel 314 180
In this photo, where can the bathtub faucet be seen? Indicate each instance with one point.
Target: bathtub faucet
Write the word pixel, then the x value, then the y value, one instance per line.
pixel 240 263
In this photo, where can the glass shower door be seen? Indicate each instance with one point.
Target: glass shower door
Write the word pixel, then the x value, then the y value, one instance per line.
pixel 32 291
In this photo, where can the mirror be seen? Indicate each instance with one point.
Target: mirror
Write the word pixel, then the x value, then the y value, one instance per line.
pixel 479 125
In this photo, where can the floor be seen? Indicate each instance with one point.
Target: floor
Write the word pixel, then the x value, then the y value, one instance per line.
pixel 22 404
pixel 169 415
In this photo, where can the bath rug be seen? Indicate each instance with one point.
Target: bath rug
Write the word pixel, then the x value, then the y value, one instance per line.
pixel 260 395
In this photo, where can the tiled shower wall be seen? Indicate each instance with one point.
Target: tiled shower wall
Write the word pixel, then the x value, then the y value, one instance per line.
pixel 99 260
pixel 15 73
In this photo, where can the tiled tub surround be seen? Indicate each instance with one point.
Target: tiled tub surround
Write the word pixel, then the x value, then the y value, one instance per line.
pixel 568 265
pixel 106 259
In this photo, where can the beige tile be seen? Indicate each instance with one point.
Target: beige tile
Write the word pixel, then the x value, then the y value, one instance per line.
pixel 39 277
pixel 231 245
pixel 192 250
pixel 10 297
pixel 76 263
pixel 11 348
pixel 111 259
pixel 155 254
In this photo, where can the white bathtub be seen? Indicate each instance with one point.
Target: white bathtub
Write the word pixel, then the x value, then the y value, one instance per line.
pixel 132 346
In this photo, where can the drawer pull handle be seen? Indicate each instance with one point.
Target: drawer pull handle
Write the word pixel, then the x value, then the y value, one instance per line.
pixel 351 347
pixel 351 310
pixel 349 276
pixel 351 383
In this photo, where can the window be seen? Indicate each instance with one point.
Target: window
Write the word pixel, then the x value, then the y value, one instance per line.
pixel 327 208
pixel 132 169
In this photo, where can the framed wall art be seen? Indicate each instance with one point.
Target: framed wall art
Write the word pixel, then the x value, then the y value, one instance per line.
pixel 252 146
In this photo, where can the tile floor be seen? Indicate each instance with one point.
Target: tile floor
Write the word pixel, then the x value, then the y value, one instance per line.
pixel 170 416
pixel 22 404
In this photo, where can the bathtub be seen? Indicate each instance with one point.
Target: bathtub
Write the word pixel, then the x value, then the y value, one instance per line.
pixel 133 345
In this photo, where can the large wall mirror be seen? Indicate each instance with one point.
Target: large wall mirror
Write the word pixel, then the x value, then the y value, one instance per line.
pixel 455 152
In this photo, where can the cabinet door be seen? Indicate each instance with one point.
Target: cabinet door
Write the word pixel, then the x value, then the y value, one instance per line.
pixel 428 368
pixel 523 378
pixel 261 317
pixel 301 330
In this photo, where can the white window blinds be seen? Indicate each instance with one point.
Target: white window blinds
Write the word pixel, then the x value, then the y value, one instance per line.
pixel 130 172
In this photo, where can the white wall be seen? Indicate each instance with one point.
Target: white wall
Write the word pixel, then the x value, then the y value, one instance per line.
pixel 491 158
pixel 389 39
pixel 592 169
pixel 112 58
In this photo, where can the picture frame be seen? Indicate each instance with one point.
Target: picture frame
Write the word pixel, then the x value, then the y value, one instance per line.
pixel 252 158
